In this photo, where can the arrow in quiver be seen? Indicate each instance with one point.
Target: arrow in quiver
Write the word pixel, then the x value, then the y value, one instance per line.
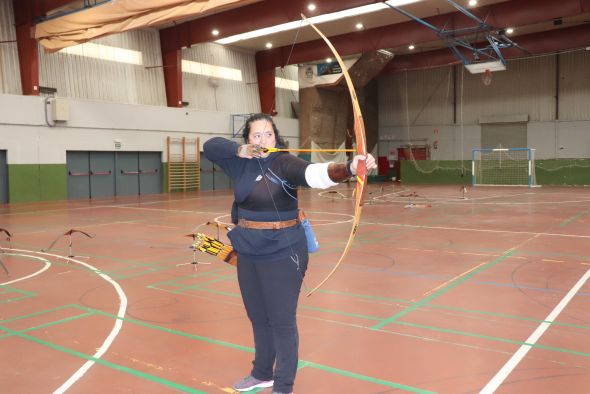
pixel 207 244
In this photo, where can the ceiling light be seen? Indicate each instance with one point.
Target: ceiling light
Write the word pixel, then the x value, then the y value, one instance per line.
pixel 215 32
pixel 411 47
pixel 328 60
pixel 478 68
pixel 359 26
pixel 311 7
pixel 268 45
pixel 509 30
pixel 472 3
pixel 373 7
pixel 385 53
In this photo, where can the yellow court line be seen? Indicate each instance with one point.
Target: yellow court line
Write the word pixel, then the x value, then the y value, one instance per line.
pixel 474 268
pixel 553 261
pixel 463 253
pixel 448 282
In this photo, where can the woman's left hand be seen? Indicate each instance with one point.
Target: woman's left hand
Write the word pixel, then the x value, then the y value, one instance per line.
pixel 370 162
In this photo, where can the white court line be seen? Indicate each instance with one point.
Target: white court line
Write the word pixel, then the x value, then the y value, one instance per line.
pixel 481 230
pixel 166 210
pixel 45 268
pixel 523 350
pixel 114 332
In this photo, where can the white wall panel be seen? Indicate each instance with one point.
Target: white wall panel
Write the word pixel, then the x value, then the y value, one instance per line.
pixel 452 141
pixel 526 87
pixel 85 77
pixel 216 93
pixel 9 67
pixel 429 97
pixel 526 90
pixel 574 85
pixel 95 125
pixel 543 138
pixel 284 95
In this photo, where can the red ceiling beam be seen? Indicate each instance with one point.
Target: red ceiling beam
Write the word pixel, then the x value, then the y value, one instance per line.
pixel 500 15
pixel 240 20
pixel 48 5
pixel 252 17
pixel 536 43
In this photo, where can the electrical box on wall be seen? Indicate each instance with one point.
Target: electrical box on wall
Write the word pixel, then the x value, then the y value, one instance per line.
pixel 60 109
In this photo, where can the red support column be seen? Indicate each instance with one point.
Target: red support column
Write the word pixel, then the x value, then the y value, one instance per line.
pixel 266 84
pixel 172 63
pixel 24 12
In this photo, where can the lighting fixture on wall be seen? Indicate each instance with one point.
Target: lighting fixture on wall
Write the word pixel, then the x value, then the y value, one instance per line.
pixel 47 90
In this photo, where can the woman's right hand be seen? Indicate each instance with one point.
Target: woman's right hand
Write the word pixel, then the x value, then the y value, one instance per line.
pixel 249 151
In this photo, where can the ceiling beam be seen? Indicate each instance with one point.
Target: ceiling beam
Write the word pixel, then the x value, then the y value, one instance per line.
pixel 49 5
pixel 251 17
pixel 535 43
pixel 500 15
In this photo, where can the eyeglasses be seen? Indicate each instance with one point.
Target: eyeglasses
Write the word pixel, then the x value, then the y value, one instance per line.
pixel 258 136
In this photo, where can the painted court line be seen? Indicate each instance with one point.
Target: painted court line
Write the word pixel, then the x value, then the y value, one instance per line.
pixel 114 332
pixel 523 350
pixel 480 230
pixel 45 268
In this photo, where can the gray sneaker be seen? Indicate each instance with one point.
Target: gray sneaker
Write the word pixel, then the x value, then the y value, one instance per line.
pixel 250 382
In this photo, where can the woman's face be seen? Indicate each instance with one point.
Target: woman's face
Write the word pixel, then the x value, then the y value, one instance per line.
pixel 262 134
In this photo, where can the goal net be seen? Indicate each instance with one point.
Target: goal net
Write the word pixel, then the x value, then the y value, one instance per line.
pixel 503 167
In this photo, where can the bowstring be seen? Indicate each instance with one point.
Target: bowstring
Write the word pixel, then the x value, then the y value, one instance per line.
pixel 294 256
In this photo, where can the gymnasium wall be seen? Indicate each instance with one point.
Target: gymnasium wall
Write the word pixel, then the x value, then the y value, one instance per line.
pixel 36 151
pixel 121 105
pixel 444 109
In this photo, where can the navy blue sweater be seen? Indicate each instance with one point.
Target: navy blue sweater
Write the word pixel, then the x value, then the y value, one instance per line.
pixel 264 190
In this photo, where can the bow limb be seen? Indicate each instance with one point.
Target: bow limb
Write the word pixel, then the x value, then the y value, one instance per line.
pixel 361 149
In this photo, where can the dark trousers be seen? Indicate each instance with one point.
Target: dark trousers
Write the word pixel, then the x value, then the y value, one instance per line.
pixel 270 291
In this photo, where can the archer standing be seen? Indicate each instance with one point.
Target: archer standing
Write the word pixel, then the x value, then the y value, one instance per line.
pixel 270 241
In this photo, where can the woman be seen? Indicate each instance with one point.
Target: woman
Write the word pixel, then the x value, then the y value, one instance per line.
pixel 270 241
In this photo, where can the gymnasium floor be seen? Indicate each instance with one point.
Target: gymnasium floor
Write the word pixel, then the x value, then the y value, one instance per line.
pixel 441 292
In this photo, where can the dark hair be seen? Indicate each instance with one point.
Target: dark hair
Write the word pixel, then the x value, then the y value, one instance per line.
pixel 253 118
